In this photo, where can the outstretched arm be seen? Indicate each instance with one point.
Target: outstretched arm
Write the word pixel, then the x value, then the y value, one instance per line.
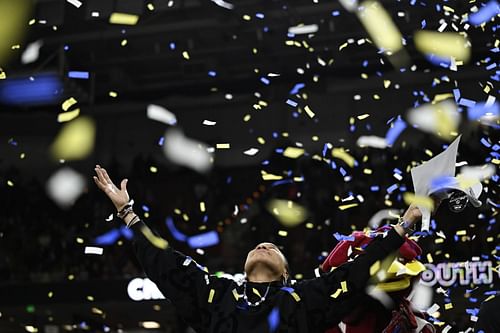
pixel 337 293
pixel 177 276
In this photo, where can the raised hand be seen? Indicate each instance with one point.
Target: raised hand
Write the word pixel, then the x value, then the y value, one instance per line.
pixel 119 196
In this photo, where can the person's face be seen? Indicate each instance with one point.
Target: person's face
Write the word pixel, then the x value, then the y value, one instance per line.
pixel 268 255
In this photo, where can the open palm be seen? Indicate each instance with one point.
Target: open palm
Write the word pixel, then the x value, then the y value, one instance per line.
pixel 119 196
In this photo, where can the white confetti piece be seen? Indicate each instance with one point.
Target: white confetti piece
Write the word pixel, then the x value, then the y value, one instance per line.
pixel 441 119
pixel 184 151
pixel 251 151
pixel 75 3
pixel 303 29
pixel 94 250
pixel 158 113
pixel 110 218
pixel 479 173
pixel 65 186
pixel 32 52
pixel 209 122
pixel 223 4
pixel 433 309
pixel 372 141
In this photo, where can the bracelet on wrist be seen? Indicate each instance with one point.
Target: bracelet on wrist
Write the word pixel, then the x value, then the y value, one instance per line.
pixel 125 210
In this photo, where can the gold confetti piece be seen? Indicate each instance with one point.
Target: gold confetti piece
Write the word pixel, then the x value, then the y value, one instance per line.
pixel 309 112
pixel 151 7
pixel 13 17
pixel 443 44
pixel 344 207
pixel 211 295
pixel 283 233
pixel 448 306
pixel 124 42
pixel 287 212
pixel 380 26
pixel 336 293
pixel 441 97
pixel 156 241
pixel 185 55
pixel 202 206
pixel 293 152
pixel 113 94
pixel 256 292
pixel 344 156
pixel 123 18
pixel 90 298
pixel 428 152
pixel 418 200
pixel 79 240
pixel 363 116
pixel 374 268
pixel 343 285
pixel 247 17
pixel 223 146
pixel 387 83
pixel 295 296
pixel 367 171
pixel 10 183
pixel 461 232
pixel 438 241
pixel 50 294
pixel 270 176
pixel 75 140
pixel 429 258
pixel 153 169
pixel 68 103
pixel 97 311
pixel 236 295
pixel 67 116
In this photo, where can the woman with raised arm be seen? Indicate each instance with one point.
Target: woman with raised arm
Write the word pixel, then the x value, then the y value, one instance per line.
pixel 265 301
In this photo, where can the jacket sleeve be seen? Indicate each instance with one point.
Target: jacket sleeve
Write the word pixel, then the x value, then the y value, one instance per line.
pixel 179 278
pixel 335 294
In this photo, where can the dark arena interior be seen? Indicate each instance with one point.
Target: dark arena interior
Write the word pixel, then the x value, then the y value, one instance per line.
pixel 238 122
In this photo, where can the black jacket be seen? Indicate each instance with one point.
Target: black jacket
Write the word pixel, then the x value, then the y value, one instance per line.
pixel 215 305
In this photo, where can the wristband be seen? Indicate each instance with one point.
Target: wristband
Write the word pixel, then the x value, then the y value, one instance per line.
pixel 406 225
pixel 125 210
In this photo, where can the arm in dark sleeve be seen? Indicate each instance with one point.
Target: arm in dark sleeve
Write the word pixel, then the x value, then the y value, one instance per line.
pixel 336 293
pixel 179 278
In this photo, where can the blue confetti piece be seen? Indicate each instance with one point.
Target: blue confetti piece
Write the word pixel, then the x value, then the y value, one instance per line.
pixel 374 188
pixel 206 239
pixel 392 188
pixel 281 182
pixel 486 13
pixel 212 73
pixel 292 103
pixel 174 231
pixel 485 142
pixel 145 208
pixel 172 46
pixel 126 232
pixel 265 80
pixel 342 171
pixel 288 289
pixel 297 88
pixel 335 13
pixel 78 75
pixel 259 15
pixel 341 237
pixel 423 24
pixel 480 109
pixel 395 130
pixel 161 141
pixel 108 238
pixel 467 102
pixel 273 319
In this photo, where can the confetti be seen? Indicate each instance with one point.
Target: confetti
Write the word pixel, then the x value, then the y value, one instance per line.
pixel 184 151
pixel 441 119
pixel 94 250
pixel 273 319
pixel 372 141
pixel 303 29
pixel 486 13
pixel 209 122
pixel 287 212
pixel 153 239
pixel 251 151
pixel 123 18
pixel 65 186
pixel 418 200
pixel 443 44
pixel 344 156
pixel 207 239
pixel 31 53
pixel 223 4
pixel 76 3
pixel 68 103
pixel 394 131
pixel 75 141
pixel 293 152
pixel 67 116
pixel 344 207
pixel 159 113
pixel 211 295
pixel 379 25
